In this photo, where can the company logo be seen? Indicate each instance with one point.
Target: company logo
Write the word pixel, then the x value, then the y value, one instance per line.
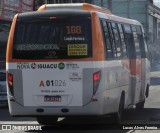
pixel 33 65
pixel 23 66
pixel 20 127
pixel 61 66
pixel 6 127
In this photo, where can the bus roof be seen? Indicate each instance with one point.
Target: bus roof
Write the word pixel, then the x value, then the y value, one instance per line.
pixel 119 19
pixel 29 16
pixel 74 6
pixel 87 7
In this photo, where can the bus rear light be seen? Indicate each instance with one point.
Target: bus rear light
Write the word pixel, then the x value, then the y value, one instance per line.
pixel 96 76
pixel 96 81
pixel 10 83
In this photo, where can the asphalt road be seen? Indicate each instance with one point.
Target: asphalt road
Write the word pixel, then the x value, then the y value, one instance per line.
pixel 149 116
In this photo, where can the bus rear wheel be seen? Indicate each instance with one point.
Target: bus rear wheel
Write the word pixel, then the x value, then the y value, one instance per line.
pixel 118 117
pixel 47 120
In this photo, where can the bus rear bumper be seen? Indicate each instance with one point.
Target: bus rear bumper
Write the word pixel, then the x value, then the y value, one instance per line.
pixel 93 108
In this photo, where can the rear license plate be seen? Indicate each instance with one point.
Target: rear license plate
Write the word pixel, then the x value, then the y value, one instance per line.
pixel 52 99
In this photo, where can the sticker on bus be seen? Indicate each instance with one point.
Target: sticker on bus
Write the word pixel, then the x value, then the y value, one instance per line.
pixel 75 76
pixel 77 49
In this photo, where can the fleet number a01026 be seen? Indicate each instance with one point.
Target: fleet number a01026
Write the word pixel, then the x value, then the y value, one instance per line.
pixel 56 83
pixel 52 83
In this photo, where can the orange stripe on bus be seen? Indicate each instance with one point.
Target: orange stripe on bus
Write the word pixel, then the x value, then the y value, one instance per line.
pixel 129 64
pixel 10 39
pixel 125 63
pixel 139 68
pixel 97 40
pixel 90 7
pixel 42 8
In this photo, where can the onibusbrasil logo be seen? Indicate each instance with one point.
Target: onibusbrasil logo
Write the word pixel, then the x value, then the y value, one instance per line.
pixel 61 66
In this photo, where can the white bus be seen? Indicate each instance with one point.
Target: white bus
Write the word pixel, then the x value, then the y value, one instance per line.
pixel 75 60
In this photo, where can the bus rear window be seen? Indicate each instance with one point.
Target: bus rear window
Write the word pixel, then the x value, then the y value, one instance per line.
pixel 53 39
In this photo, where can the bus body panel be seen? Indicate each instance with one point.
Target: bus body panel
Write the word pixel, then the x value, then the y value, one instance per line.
pixel 139 68
pixel 65 82
pixel 114 80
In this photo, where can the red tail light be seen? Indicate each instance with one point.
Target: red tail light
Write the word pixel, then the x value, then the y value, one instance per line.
pixel 96 81
pixel 10 79
pixel 10 83
pixel 96 76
